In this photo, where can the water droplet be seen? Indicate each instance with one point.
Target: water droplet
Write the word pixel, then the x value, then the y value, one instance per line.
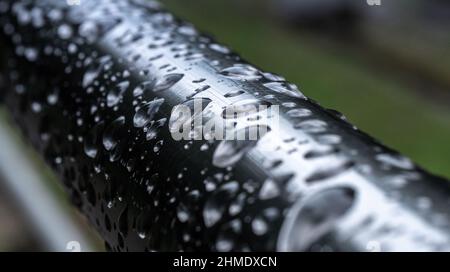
pixel 157 147
pixel 289 104
pixel 65 31
pixel 115 95
pixel 245 108
pixel 144 224
pixel 234 93
pixel 90 76
pixel 219 48
pixel 92 140
pixel 89 31
pixel 52 98
pixel 200 80
pixel 198 90
pixel 329 171
pixel 113 133
pixel 241 72
pixel 209 185
pixel 285 88
pixel 58 160
pixel 237 205
pixel 297 113
pixel 147 112
pixel 187 30
pixel 321 151
pixel 72 48
pixel 314 217
pixel 395 161
pixel 259 226
pixel 166 82
pixel 182 213
pixel 312 126
pixel 19 89
pixel 36 107
pixel 269 190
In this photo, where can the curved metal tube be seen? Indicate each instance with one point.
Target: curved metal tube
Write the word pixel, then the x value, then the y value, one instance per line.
pixel 98 87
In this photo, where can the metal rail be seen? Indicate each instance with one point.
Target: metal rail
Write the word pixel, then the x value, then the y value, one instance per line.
pixel 97 88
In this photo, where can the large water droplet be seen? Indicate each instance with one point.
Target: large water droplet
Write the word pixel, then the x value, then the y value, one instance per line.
pixel 89 76
pixel 269 190
pixel 143 87
pixel 273 77
pixel 113 133
pixel 395 161
pixel 219 48
pixel 297 113
pixel 224 244
pixel 314 217
pixel 31 54
pixel 89 30
pixel 234 93
pixel 329 171
pixel 329 139
pixel 36 107
pixel 158 145
pixel 312 126
pixel 285 88
pixel 92 141
pixel 259 226
pixel 153 130
pixel 182 213
pixel 237 205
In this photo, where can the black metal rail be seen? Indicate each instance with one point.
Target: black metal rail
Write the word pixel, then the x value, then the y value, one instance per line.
pixel 97 89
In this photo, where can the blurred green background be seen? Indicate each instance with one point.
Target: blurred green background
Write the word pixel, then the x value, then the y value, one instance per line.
pixel 387 67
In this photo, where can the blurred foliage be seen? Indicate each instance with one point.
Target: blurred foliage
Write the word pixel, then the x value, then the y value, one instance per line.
pixel 378 102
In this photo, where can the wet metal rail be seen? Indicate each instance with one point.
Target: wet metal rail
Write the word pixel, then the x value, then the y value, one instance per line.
pixel 97 88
